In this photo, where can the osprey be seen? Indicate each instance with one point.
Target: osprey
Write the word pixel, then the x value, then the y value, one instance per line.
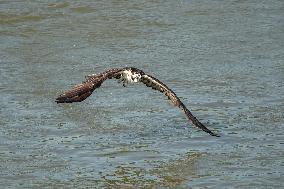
pixel 127 75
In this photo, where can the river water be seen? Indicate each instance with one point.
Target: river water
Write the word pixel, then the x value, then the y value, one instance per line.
pixel 224 59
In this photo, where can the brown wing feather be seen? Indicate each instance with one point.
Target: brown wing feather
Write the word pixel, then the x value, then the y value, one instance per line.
pixel 77 93
pixel 83 90
pixel 150 81
pixel 155 84
pixel 101 77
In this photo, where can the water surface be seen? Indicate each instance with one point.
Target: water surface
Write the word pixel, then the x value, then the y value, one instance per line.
pixel 223 58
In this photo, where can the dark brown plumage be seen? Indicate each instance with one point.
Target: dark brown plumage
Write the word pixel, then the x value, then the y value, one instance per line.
pixel 82 91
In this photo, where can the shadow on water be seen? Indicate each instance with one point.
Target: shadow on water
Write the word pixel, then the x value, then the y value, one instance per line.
pixel 132 176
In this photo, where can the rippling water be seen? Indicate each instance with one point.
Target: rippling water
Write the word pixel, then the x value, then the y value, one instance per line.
pixel 225 59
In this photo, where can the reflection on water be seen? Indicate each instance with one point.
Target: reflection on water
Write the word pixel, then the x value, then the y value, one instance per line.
pixel 224 59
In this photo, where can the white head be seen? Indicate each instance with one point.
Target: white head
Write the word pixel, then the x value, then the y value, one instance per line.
pixel 130 76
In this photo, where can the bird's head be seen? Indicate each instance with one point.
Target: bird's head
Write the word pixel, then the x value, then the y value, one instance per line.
pixel 132 75
pixel 136 74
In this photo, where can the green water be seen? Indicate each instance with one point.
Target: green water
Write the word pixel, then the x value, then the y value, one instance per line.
pixel 225 59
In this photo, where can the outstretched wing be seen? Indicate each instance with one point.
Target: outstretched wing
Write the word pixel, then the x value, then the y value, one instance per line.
pixel 83 90
pixel 150 81
pixel 77 93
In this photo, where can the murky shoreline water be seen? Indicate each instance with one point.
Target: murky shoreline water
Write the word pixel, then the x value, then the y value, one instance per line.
pixel 223 58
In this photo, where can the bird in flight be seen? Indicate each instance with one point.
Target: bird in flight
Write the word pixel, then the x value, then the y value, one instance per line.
pixel 126 75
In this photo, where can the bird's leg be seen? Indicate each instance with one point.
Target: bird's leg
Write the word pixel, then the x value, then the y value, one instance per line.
pixel 122 79
pixel 125 82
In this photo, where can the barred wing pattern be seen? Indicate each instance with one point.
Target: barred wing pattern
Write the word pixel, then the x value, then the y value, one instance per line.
pixel 77 93
pixel 83 90
pixel 155 84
